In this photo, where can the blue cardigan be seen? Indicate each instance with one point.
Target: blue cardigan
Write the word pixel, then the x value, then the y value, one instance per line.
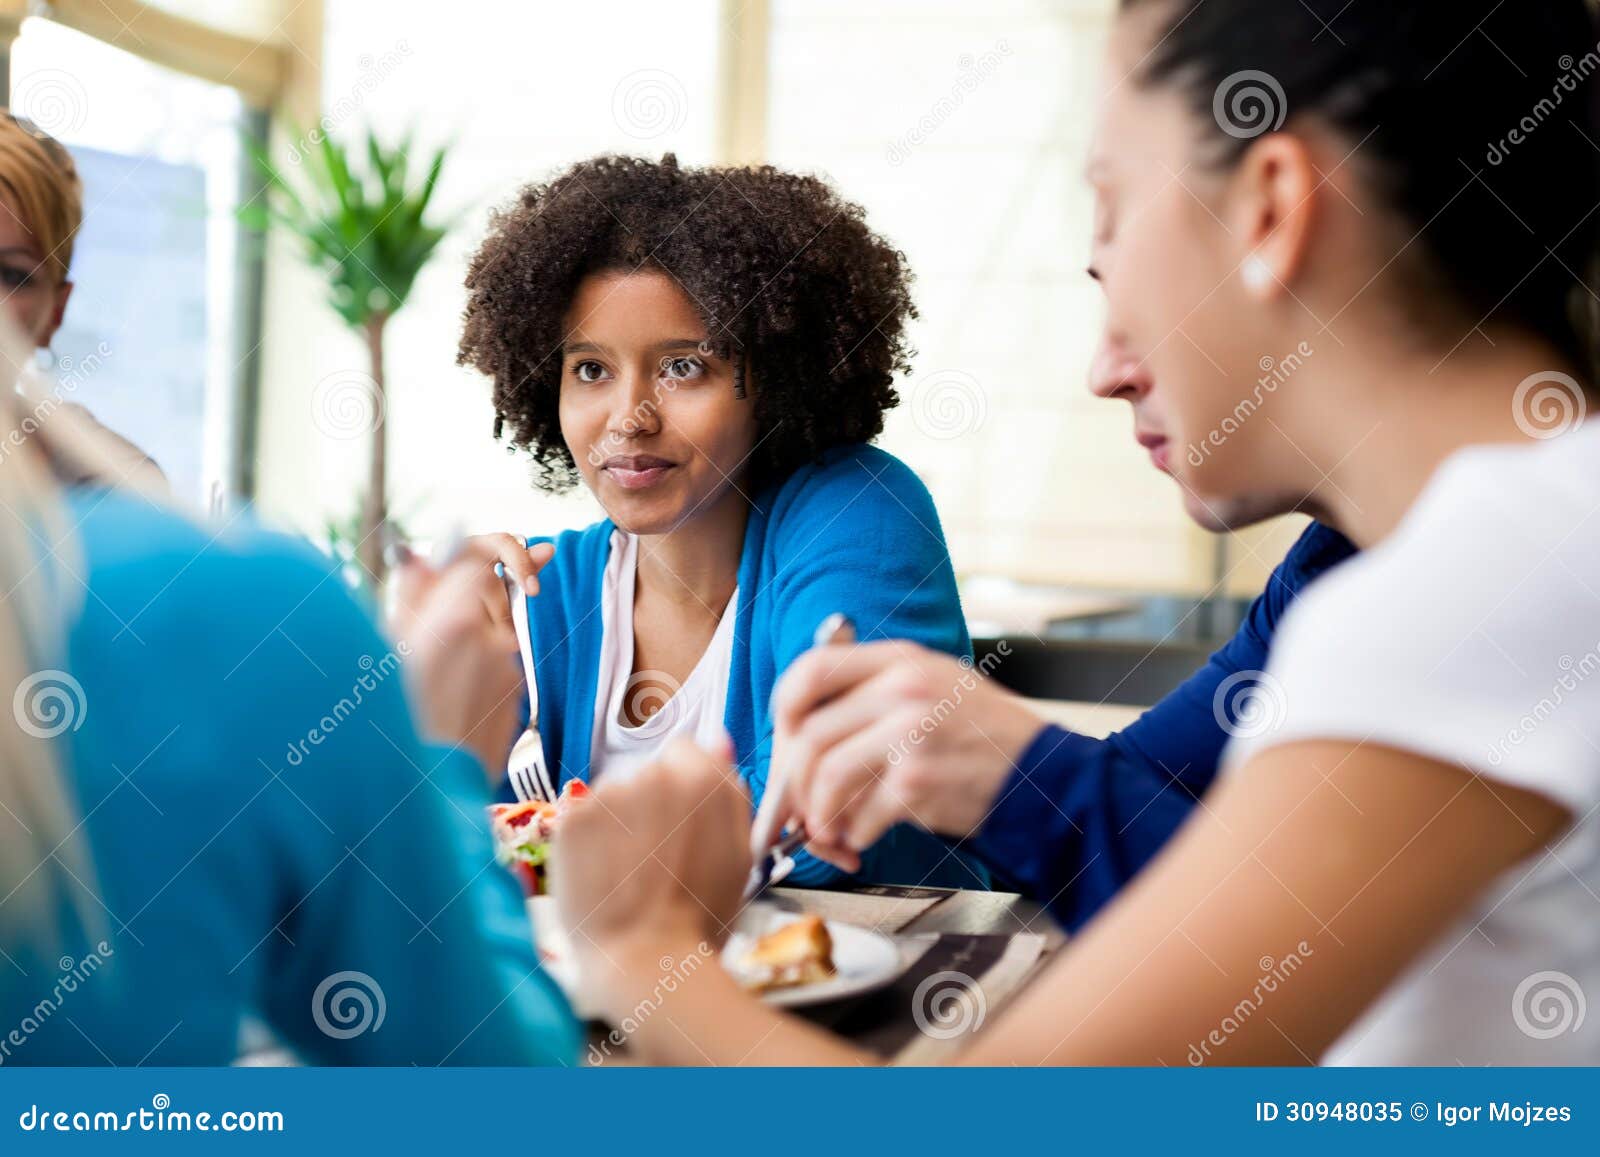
pixel 1080 817
pixel 856 533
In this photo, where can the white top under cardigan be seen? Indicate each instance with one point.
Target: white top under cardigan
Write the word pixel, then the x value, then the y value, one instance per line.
pixel 694 710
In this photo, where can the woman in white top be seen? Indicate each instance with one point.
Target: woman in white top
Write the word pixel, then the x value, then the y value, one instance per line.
pixel 1400 864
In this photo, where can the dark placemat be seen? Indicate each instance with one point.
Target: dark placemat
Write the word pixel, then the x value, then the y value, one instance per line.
pixel 950 990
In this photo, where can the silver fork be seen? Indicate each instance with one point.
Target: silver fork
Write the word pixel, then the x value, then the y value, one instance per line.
pixel 773 864
pixel 526 769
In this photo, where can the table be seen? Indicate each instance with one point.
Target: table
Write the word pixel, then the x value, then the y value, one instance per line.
pixel 1096 720
pixel 971 954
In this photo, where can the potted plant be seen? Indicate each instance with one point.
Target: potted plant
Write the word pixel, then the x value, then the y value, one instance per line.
pixel 363 225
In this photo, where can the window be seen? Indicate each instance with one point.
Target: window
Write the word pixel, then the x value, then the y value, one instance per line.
pixel 150 342
pixel 963 128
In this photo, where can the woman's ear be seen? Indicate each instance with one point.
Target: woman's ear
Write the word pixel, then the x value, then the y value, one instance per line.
pixel 1277 193
pixel 57 312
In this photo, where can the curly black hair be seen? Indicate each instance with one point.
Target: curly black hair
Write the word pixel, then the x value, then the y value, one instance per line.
pixel 786 275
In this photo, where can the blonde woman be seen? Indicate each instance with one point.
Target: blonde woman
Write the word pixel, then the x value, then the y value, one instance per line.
pixel 216 807
pixel 41 208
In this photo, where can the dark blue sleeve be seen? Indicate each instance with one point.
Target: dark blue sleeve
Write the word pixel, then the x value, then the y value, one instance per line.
pixel 1080 817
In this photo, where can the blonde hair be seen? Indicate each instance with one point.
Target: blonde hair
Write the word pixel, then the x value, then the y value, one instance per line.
pixel 40 183
pixel 41 846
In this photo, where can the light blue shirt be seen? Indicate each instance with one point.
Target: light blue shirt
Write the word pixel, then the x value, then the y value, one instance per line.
pixel 270 839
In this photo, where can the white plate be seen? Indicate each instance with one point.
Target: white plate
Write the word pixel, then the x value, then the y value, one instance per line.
pixel 864 960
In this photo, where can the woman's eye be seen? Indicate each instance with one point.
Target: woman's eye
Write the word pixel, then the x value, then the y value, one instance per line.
pixel 15 278
pixel 588 371
pixel 682 368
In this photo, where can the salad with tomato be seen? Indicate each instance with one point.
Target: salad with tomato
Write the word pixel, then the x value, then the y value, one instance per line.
pixel 523 831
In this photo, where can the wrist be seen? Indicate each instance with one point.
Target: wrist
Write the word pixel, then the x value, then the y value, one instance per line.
pixel 636 968
pixel 1012 731
pixel 1016 732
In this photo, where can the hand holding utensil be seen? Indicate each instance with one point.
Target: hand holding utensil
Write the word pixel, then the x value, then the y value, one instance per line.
pixel 774 861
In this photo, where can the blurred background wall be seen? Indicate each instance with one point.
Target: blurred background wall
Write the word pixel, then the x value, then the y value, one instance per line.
pixel 961 127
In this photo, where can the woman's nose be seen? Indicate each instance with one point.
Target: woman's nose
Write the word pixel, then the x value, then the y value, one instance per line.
pixel 1116 373
pixel 636 408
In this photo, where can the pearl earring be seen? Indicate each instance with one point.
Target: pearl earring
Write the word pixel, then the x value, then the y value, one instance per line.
pixel 1256 272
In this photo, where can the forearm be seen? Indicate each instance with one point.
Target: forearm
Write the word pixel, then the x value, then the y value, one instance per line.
pixel 1077 820
pixel 706 1018
pixel 1218 953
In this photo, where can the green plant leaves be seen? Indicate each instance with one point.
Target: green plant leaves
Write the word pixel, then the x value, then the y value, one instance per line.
pixel 362 226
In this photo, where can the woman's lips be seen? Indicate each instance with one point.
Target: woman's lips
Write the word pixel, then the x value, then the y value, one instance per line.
pixel 636 472
pixel 1159 448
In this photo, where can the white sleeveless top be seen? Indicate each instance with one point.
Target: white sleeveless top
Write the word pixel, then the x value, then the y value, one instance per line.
pixel 696 709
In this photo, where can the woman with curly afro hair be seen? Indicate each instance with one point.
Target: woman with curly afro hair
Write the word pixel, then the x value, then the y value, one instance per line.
pixel 710 351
